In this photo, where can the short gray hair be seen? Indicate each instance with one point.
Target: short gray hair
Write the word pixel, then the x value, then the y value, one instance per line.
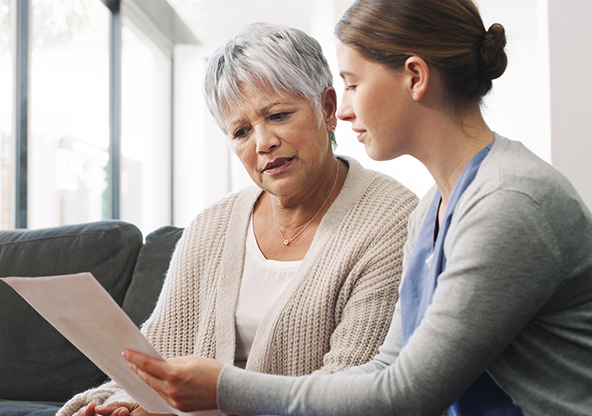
pixel 261 55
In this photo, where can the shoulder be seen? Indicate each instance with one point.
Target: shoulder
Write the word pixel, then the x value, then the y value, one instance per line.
pixel 374 190
pixel 241 201
pixel 516 198
pixel 214 219
pixel 512 168
pixel 512 178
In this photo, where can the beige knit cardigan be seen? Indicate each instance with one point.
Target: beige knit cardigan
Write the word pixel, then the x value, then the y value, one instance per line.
pixel 334 314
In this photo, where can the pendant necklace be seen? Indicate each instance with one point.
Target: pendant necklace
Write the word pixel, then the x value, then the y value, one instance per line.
pixel 288 241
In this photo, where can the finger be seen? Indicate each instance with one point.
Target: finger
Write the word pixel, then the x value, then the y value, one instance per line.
pixel 114 409
pixel 156 383
pixel 90 409
pixel 107 409
pixel 122 411
pixel 147 364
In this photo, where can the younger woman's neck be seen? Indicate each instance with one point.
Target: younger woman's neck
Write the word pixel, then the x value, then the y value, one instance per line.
pixel 450 148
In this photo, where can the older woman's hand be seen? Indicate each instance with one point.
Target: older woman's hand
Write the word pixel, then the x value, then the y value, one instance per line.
pixel 88 410
pixel 111 409
pixel 186 383
pixel 118 409
pixel 122 409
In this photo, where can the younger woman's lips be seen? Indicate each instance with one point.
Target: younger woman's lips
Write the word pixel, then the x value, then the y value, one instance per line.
pixel 359 134
pixel 278 166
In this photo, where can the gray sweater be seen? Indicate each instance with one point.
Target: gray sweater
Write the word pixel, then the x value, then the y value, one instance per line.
pixel 515 300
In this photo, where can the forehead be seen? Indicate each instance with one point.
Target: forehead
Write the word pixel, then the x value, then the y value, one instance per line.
pixel 258 101
pixel 350 61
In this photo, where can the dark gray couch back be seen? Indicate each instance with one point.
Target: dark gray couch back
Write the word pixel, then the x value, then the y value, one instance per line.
pixel 149 273
pixel 36 362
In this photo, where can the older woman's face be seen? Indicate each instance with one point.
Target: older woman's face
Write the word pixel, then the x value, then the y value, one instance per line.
pixel 280 141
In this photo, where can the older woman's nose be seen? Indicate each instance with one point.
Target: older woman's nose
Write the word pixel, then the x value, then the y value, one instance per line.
pixel 266 140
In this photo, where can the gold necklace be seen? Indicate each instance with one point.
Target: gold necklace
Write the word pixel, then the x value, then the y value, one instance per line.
pixel 288 241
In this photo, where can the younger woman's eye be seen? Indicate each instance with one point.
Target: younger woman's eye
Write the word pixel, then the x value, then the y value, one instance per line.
pixel 350 87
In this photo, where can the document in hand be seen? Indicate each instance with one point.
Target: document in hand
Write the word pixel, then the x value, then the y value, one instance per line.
pixel 87 316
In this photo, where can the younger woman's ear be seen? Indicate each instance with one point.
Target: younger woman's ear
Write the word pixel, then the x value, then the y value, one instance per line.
pixel 418 76
pixel 329 105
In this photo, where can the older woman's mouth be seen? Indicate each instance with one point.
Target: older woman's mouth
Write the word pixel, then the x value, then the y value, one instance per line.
pixel 278 165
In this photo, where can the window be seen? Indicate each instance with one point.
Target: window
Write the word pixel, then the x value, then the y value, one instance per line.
pixel 6 112
pixel 86 111
pixel 146 132
pixel 69 112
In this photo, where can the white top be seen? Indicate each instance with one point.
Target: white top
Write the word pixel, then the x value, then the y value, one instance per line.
pixel 263 281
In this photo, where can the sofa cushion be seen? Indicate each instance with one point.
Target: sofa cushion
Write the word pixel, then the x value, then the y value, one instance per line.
pixel 17 408
pixel 149 273
pixel 36 362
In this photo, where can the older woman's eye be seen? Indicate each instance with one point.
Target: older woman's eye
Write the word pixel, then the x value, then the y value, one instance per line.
pixel 239 133
pixel 278 116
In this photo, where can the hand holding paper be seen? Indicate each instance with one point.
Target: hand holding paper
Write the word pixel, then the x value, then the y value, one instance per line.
pixel 185 383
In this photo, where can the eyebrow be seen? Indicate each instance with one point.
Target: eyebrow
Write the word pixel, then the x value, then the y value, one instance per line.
pixel 264 110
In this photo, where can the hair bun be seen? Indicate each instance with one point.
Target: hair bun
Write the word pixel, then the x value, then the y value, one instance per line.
pixel 492 57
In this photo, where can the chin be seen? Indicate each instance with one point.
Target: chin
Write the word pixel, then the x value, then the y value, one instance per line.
pixel 379 156
pixel 385 157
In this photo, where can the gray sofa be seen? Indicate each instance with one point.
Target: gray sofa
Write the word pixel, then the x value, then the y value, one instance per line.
pixel 40 369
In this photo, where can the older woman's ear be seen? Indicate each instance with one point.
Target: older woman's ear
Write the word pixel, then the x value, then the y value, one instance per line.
pixel 329 104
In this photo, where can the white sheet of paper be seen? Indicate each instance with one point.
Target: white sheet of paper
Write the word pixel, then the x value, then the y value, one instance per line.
pixel 87 316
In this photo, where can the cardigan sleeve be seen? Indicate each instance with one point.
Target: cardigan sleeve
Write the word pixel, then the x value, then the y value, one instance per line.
pixel 364 319
pixel 99 395
pixel 389 350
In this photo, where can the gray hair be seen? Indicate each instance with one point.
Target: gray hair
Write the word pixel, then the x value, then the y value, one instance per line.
pixel 262 55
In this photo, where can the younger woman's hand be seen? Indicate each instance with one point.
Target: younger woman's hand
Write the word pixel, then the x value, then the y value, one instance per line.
pixel 186 383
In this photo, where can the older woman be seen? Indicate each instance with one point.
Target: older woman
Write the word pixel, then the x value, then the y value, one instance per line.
pixel 299 274
pixel 495 313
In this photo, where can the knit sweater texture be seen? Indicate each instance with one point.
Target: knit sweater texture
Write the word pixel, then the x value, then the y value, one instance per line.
pixel 334 314
pixel 515 300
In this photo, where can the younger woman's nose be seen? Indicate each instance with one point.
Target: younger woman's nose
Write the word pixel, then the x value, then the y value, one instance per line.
pixel 345 111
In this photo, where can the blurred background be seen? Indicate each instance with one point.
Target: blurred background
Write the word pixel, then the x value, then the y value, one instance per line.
pixel 102 115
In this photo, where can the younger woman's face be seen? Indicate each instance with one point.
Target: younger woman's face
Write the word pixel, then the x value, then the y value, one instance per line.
pixel 376 102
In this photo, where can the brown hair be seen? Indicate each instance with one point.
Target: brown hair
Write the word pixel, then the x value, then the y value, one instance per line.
pixel 448 34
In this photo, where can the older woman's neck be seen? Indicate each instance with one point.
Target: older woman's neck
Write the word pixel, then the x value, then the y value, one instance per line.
pixel 320 195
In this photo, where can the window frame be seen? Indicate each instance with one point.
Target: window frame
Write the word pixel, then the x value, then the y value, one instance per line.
pixel 159 22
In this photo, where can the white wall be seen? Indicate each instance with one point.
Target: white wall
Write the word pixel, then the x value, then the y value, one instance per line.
pixel 570 58
pixel 512 108
pixel 541 100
